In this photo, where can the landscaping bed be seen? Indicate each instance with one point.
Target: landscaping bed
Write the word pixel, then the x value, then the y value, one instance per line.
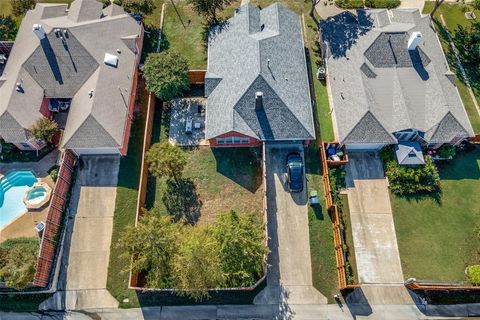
pixel 360 4
pixel 438 237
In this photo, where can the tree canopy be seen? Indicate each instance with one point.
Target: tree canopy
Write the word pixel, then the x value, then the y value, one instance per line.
pixel 209 8
pixel 19 7
pixel 8 28
pixel 44 129
pixel 153 243
pixel 166 160
pixel 18 260
pixel 166 74
pixel 144 7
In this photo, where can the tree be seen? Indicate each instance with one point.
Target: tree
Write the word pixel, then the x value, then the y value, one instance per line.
pixel 243 247
pixel 208 8
pixel 166 74
pixel 19 7
pixel 144 7
pixel 153 244
pixel 475 4
pixel 18 260
pixel 197 265
pixel 313 4
pixel 44 129
pixel 8 28
pixel 166 160
pixel 438 3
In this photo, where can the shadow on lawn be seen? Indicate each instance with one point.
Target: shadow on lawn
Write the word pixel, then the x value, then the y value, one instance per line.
pixel 241 165
pixel 181 200
pixel 463 166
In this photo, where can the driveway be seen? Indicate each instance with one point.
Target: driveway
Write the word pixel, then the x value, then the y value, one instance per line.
pixel 83 283
pixel 375 241
pixel 289 277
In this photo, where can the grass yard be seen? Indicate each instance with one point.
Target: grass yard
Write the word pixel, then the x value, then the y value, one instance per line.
pixel 454 15
pixel 352 274
pixel 324 270
pixel 438 240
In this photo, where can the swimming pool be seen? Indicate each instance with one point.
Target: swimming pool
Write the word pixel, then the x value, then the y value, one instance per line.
pixel 12 190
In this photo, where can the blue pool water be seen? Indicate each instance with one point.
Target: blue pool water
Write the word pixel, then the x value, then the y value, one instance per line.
pixel 12 190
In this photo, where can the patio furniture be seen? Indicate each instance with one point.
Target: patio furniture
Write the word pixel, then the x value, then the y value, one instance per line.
pixel 188 125
pixel 197 125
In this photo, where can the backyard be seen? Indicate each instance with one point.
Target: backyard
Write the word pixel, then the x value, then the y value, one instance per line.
pixel 454 16
pixel 439 239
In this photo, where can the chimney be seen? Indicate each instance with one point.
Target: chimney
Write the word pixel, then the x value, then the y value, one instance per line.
pixel 414 40
pixel 258 100
pixel 38 30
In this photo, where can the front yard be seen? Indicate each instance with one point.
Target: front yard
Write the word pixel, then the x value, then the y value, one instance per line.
pixel 439 239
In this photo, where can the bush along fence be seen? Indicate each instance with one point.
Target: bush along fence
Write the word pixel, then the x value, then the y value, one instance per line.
pixel 335 216
pixel 51 233
pixel 134 278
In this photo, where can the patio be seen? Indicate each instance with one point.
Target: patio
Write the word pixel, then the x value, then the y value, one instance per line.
pixel 187 122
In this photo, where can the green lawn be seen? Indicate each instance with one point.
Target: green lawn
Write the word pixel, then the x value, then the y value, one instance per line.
pixel 352 274
pixel 438 240
pixel 324 270
pixel 454 15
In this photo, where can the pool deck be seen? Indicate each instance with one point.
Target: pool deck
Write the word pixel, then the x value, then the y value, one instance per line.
pixel 23 226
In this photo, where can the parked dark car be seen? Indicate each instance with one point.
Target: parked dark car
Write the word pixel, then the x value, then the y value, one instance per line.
pixel 295 172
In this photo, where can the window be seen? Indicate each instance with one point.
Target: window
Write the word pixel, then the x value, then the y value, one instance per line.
pixel 236 140
pixel 25 145
pixel 229 140
pixel 245 140
pixel 220 141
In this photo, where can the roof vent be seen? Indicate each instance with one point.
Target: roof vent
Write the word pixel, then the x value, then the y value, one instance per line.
pixel 258 100
pixel 111 60
pixel 19 86
pixel 38 30
pixel 414 40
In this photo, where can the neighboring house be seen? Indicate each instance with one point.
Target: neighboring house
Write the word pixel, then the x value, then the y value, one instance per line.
pixel 257 84
pixel 390 83
pixel 78 67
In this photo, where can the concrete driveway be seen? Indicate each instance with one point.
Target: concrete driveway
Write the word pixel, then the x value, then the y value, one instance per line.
pixel 93 208
pixel 375 241
pixel 289 278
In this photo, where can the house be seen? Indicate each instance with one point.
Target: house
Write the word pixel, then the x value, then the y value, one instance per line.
pixel 256 84
pixel 389 82
pixel 77 66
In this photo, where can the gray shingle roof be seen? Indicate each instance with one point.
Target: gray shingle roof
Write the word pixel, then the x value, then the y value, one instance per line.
pixel 259 50
pixel 372 71
pixel 409 153
pixel 88 42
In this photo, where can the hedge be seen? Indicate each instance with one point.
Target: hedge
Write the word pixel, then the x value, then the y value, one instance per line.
pixel 389 4
pixel 350 4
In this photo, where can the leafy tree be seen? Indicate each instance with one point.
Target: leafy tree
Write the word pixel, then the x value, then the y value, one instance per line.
pixel 242 247
pixel 475 4
pixel 144 7
pixel 19 7
pixel 197 265
pixel 474 274
pixel 44 129
pixel 8 28
pixel 166 74
pixel 18 260
pixel 152 243
pixel 166 160
pixel 209 8
pixel 181 200
pixel 446 151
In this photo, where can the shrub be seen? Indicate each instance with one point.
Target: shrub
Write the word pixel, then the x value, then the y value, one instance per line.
pixel 411 180
pixel 166 160
pixel 474 274
pixel 54 174
pixel 350 4
pixel 19 7
pixel 386 154
pixel 446 151
pixel 8 28
pixel 389 4
pixel 337 182
pixel 18 260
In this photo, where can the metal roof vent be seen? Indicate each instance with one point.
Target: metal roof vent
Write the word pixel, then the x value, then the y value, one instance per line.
pixel 258 100
pixel 111 60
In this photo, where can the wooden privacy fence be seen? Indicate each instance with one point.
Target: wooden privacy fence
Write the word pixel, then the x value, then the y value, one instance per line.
pixel 415 284
pixel 196 76
pixel 50 238
pixel 333 211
